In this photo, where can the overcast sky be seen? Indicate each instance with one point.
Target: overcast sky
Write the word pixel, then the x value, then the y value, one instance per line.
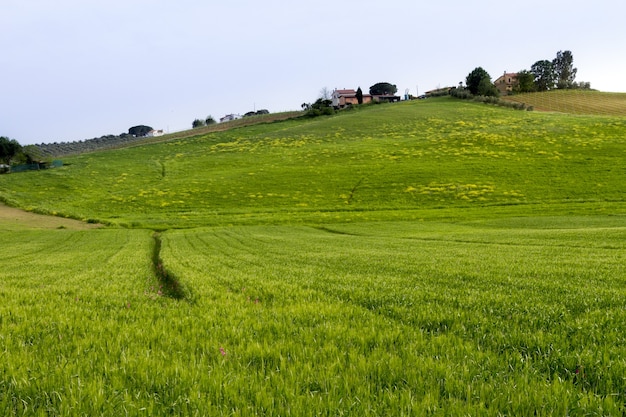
pixel 79 69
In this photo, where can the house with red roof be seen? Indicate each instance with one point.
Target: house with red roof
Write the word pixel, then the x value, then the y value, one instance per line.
pixel 347 97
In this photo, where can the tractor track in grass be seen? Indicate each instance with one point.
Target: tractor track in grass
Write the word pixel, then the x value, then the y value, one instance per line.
pixel 170 284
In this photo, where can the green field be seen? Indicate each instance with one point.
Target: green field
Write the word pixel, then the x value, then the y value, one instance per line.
pixel 582 102
pixel 433 257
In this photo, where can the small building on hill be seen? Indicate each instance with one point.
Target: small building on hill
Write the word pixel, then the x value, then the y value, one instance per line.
pixel 229 117
pixel 155 133
pixel 346 97
pixel 506 82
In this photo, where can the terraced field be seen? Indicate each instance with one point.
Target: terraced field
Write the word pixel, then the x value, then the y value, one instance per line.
pixel 575 102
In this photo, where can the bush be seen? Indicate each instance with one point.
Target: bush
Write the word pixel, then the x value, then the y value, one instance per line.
pixel 322 107
pixel 461 93
pixel 464 94
pixel 197 123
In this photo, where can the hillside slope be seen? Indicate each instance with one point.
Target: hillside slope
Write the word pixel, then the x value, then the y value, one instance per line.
pixel 406 160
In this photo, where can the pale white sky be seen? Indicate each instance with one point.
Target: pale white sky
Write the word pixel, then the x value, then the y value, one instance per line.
pixel 79 69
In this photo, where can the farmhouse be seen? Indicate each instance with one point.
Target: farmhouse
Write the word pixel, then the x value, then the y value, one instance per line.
pixel 343 98
pixel 229 117
pixel 506 82
pixel 155 133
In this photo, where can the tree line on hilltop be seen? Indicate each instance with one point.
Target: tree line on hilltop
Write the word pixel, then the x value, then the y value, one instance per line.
pixel 11 152
pixel 544 75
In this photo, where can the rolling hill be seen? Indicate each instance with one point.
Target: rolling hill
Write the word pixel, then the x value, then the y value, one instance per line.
pixel 408 160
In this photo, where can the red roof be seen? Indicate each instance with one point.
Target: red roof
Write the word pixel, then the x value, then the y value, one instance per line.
pixel 345 92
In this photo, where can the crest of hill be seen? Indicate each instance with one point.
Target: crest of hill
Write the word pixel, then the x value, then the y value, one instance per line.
pixel 116 142
pixel 581 102
pixel 440 155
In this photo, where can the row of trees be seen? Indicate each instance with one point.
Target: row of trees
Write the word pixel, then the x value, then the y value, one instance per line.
pixel 206 122
pixel 546 75
pixel 12 152
pixel 210 120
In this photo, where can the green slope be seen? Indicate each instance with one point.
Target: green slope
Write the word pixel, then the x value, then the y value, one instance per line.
pixel 412 159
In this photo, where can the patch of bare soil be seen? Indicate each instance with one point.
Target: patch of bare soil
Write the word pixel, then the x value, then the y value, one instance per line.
pixel 12 218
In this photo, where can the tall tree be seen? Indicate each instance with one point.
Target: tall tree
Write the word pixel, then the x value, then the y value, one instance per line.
pixel 543 71
pixel 383 89
pixel 139 131
pixel 9 148
pixel 325 93
pixel 359 95
pixel 564 70
pixel 524 82
pixel 474 79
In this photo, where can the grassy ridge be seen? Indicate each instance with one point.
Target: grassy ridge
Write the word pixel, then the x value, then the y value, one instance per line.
pixel 426 258
pixel 575 102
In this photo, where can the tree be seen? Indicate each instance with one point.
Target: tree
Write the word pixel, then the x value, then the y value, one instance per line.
pixel 197 123
pixel 564 71
pixel 209 120
pixel 543 71
pixel 474 78
pixel 325 93
pixel 524 82
pixel 487 88
pixel 383 89
pixel 359 95
pixel 139 131
pixel 321 107
pixel 9 148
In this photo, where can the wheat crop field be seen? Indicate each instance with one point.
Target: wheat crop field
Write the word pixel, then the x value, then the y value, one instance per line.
pixel 581 102
pixel 434 257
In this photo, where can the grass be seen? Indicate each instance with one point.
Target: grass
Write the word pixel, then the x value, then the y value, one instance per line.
pixel 15 219
pixel 414 156
pixel 426 258
pixel 582 102
pixel 481 318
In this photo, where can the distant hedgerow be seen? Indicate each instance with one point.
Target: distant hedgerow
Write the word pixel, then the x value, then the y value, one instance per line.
pixel 465 94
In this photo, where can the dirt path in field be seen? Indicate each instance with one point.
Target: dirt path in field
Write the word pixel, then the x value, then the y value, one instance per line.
pixel 12 218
